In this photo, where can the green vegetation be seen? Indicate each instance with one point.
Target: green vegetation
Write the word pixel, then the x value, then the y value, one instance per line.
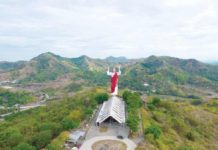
pixel 154 103
pixel 188 123
pixel 167 76
pixel 9 99
pixel 56 144
pixel 101 97
pixel 5 66
pixel 73 87
pixel 154 130
pixel 95 78
pixel 43 127
pixel 179 125
pixel 133 102
pixel 24 146
pixel 211 106
pixel 46 67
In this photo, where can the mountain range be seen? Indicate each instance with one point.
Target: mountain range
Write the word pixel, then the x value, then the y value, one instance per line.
pixel 164 75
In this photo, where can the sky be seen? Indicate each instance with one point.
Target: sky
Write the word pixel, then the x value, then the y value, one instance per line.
pixel 101 28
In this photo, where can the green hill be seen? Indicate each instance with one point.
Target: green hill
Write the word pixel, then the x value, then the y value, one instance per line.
pixel 167 75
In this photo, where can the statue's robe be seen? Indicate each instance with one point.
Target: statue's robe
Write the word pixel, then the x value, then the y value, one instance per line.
pixel 114 81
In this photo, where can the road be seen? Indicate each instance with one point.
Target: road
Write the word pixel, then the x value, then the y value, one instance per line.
pixel 26 107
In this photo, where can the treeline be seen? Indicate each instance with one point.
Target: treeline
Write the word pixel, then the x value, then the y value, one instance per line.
pixel 133 102
pixel 36 128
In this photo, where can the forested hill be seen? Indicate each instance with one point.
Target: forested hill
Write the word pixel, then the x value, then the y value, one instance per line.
pixel 163 74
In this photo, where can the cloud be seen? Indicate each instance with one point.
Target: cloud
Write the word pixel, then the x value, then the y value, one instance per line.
pixel 186 29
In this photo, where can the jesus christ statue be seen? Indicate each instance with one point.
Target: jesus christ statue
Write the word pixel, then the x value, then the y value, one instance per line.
pixel 114 80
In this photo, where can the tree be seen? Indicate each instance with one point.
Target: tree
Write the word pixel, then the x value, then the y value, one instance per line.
pixel 54 127
pixel 101 97
pixel 156 101
pixel 15 138
pixel 76 115
pixel 126 95
pixel 24 146
pixel 69 124
pixel 154 130
pixel 133 122
pixel 41 139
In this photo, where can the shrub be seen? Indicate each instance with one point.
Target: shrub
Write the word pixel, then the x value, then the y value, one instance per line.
pixel 193 96
pixel 133 102
pixel 41 139
pixel 190 136
pixel 196 102
pixel 156 101
pixel 154 130
pixel 69 124
pixel 179 125
pixel 133 122
pixel 54 127
pixel 15 138
pixel 185 148
pixel 126 95
pixel 24 146
pixel 151 106
pixel 74 87
pixel 101 97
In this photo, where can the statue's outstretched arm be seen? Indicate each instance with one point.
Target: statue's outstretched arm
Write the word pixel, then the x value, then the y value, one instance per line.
pixel 108 72
pixel 119 72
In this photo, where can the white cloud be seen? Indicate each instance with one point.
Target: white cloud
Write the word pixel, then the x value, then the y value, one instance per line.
pixel 186 29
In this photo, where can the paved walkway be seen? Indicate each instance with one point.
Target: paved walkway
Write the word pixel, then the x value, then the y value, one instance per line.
pixel 112 130
pixel 87 145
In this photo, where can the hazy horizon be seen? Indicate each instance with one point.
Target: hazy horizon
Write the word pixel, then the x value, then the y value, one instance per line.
pixel 211 62
pixel 134 29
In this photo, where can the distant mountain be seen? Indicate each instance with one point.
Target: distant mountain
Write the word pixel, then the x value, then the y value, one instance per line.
pixel 5 66
pixel 168 75
pixel 165 75
pixel 190 66
pixel 87 63
pixel 48 67
pixel 215 63
pixel 112 59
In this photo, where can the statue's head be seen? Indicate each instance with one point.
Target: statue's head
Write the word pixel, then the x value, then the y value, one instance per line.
pixel 114 69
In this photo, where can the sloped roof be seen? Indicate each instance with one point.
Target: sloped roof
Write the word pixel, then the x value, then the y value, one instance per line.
pixel 115 108
pixel 74 137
